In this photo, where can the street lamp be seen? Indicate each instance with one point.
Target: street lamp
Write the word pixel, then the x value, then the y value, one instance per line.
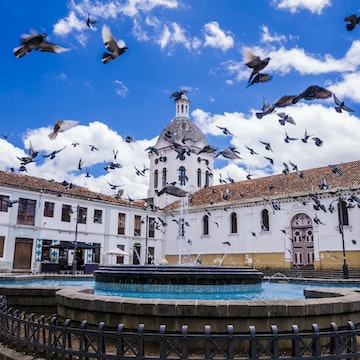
pixel 341 230
pixel 74 262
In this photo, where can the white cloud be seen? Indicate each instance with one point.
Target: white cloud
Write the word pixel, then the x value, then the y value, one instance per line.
pixel 68 24
pixel 121 89
pixel 64 165
pixel 217 38
pixel 267 37
pixel 348 87
pixel 339 133
pixel 314 6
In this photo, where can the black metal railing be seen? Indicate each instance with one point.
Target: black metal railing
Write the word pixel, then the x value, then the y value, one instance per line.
pixel 49 339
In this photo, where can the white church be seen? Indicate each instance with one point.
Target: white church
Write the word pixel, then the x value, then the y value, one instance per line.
pixel 278 222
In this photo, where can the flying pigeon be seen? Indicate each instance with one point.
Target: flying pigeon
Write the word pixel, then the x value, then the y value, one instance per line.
pixel 317 140
pixel 267 145
pixel 229 153
pixel 254 62
pixel 353 21
pixel 89 21
pixel 208 149
pixel 53 154
pixel 61 126
pixel 284 118
pixel 285 100
pixel 116 48
pixel 341 105
pixel 172 190
pixel 311 93
pixel 36 42
pixel 224 130
pixel 288 138
pixel 177 94
pixel 306 137
pixel 259 78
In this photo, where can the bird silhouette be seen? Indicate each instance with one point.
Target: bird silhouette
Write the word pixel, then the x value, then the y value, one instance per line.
pixel 259 78
pixel 306 137
pixel 287 138
pixel 254 62
pixel 90 21
pixel 80 164
pixel 36 42
pixel 61 126
pixel 341 105
pixel 129 139
pixel 177 94
pixel 208 149
pixel 252 151
pixel 284 118
pixel 283 101
pixel 172 190
pixel 311 93
pixel 229 153
pixel 152 149
pixel 53 153
pixel 335 169
pixel 224 130
pixel 267 145
pixel 93 148
pixel 116 48
pixel 353 21
pixel 226 243
pixel 317 140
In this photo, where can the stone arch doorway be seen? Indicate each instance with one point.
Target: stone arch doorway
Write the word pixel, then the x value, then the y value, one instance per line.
pixel 302 240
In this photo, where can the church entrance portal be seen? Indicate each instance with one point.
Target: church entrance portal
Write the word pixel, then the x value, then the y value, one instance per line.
pixel 302 240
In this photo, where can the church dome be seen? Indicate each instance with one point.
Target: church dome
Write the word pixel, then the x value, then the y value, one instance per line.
pixel 182 129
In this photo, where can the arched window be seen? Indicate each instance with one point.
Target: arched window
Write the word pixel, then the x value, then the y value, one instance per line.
pixel 343 213
pixel 206 225
pixel 182 108
pixel 163 181
pixel 199 177
pixel 233 223
pixel 156 179
pixel 207 178
pixel 182 175
pixel 265 226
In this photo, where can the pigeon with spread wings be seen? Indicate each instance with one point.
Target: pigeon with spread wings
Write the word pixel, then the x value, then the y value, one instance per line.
pixel 254 62
pixel 36 42
pixel 61 126
pixel 116 48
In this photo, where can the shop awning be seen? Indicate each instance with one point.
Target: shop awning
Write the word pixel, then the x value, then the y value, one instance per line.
pixel 70 245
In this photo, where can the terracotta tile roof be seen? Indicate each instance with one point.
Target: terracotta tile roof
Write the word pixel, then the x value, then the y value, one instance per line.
pixel 277 186
pixel 31 183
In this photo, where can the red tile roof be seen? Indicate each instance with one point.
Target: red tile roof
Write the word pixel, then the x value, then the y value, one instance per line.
pixel 31 183
pixel 277 186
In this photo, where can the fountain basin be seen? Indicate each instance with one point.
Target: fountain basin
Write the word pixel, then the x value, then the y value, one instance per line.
pixel 171 279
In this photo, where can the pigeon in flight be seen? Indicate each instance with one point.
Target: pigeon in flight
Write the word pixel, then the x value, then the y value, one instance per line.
pixel 229 153
pixel 311 93
pixel 306 137
pixel 116 48
pixel 208 149
pixel 90 21
pixel 284 118
pixel 267 145
pixel 259 78
pixel 53 154
pixel 61 126
pixel 353 21
pixel 288 138
pixel 177 94
pixel 254 62
pixel 36 42
pixel 341 105
pixel 224 130
pixel 285 100
pixel 172 190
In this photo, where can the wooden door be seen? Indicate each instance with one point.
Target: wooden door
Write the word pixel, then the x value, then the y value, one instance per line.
pixel 23 253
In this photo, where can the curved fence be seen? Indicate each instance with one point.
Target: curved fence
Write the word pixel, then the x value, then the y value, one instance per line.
pixel 49 339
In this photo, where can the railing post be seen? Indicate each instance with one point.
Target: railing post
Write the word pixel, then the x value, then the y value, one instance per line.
pixel 120 342
pixel 351 343
pixel 141 350
pixel 162 347
pixel 66 339
pixel 184 340
pixel 274 342
pixel 83 343
pixel 335 340
pixel 230 347
pixel 252 350
pixel 315 346
pixel 101 343
pixel 207 342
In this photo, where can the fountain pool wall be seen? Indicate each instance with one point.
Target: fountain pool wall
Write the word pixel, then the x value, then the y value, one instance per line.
pixel 321 306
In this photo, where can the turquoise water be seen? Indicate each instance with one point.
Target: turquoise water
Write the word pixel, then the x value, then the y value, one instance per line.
pixel 268 291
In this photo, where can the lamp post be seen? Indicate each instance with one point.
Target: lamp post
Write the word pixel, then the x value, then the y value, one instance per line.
pixel 146 238
pixel 341 230
pixel 74 263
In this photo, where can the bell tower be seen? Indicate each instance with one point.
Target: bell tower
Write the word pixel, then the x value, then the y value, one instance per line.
pixel 176 158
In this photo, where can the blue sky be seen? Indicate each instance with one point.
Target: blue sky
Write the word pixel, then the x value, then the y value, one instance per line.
pixel 172 45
